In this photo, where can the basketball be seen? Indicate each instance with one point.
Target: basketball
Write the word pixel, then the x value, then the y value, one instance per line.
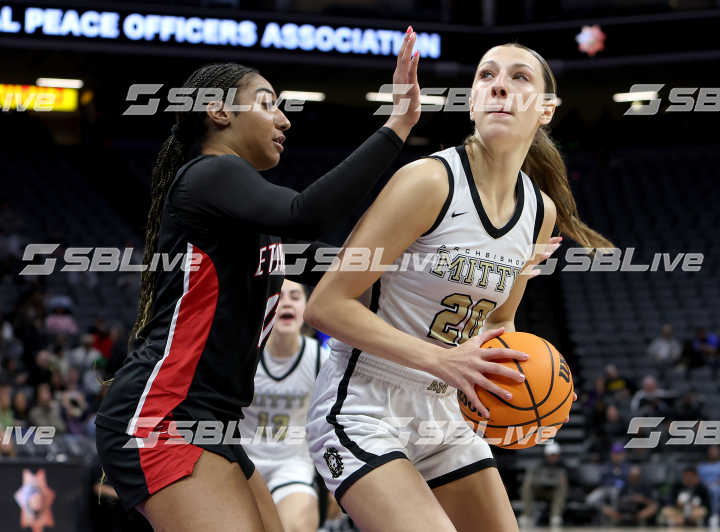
pixel 539 405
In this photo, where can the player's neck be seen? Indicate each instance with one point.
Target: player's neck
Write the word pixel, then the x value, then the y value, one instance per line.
pixel 495 172
pixel 281 345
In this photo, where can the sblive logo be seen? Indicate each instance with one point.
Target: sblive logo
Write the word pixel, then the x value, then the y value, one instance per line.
pixel 698 432
pixel 682 99
pixel 103 259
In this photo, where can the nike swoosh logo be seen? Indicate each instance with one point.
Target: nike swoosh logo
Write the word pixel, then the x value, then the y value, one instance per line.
pixel 453 215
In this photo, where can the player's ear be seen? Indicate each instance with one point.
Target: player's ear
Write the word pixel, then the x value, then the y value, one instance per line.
pixel 217 114
pixel 548 106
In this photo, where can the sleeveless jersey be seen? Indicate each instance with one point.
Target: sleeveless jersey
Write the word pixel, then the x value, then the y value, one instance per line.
pixel 455 275
pixel 282 399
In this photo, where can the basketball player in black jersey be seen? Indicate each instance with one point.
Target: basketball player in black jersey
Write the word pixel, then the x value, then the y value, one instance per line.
pixel 200 327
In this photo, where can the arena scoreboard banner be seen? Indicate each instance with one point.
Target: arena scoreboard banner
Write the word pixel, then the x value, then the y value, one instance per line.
pixel 226 33
pixel 148 27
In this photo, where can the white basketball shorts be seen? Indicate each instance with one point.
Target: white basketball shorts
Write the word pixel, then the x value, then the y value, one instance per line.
pixel 362 417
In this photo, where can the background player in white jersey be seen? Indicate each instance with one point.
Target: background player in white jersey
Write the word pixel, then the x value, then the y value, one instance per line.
pixel 283 384
pixel 475 216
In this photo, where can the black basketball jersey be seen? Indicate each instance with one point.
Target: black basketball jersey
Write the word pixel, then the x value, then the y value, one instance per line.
pixel 214 307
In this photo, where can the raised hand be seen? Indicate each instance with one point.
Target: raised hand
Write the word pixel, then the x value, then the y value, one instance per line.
pixel 406 103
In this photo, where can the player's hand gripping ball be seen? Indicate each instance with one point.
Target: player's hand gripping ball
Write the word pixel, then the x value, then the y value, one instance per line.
pixel 539 405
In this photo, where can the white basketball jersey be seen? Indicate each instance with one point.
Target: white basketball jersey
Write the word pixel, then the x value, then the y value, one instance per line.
pixel 281 400
pixel 454 276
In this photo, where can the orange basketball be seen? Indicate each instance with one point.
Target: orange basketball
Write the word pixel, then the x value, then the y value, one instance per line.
pixel 539 405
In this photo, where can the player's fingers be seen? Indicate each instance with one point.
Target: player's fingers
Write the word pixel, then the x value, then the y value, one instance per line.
pixel 500 353
pixel 503 371
pixel 469 391
pixel 488 335
pixel 407 47
pixel 413 78
pixel 409 51
pixel 574 397
pixel 403 46
pixel 491 387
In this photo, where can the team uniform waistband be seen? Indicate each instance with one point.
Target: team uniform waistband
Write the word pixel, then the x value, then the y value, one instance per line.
pixel 392 373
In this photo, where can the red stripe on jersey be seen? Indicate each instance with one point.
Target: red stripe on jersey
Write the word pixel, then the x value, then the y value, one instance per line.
pixel 170 381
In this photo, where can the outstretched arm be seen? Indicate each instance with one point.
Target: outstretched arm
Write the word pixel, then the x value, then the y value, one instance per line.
pixel 228 188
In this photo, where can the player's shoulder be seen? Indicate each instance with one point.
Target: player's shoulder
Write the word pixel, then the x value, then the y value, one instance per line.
pixel 425 177
pixel 209 166
pixel 549 208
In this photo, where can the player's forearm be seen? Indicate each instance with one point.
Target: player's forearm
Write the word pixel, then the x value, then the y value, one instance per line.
pixel 351 322
pixel 337 193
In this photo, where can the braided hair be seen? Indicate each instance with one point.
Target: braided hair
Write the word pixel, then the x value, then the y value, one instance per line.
pixel 182 145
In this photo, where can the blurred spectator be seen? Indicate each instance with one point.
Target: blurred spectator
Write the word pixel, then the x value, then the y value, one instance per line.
pixel 46 412
pixel 74 409
pixel 40 372
pixel 612 480
pixel 547 481
pixel 665 349
pixel 61 321
pixel 59 358
pixel 689 502
pixel 7 419
pixel 93 378
pixel 10 347
pixel 594 402
pixel 612 428
pixel 12 371
pixel 709 473
pixel 84 356
pixel 613 381
pixel 701 350
pixel 688 406
pixel 103 340
pixel 7 449
pixel 635 504
pixel 21 413
pixel 647 394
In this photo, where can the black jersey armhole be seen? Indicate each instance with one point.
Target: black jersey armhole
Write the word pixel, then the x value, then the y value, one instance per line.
pixel 539 212
pixel 317 357
pixel 289 371
pixel 448 200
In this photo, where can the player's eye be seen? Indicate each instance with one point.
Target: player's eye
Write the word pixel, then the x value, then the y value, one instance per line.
pixel 485 74
pixel 522 75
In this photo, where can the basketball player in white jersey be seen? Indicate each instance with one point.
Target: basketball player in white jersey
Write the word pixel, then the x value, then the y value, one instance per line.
pixel 283 384
pixel 407 340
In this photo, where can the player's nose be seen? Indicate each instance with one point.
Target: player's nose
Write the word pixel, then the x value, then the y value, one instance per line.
pixel 281 121
pixel 499 88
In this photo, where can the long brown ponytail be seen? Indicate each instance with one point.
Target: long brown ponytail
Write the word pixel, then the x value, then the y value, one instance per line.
pixel 182 145
pixel 545 165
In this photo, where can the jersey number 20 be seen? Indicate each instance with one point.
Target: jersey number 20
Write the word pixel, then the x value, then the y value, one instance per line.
pixel 447 324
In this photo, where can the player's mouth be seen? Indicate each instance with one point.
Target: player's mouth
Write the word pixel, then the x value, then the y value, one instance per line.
pixel 497 110
pixel 286 317
pixel 278 142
